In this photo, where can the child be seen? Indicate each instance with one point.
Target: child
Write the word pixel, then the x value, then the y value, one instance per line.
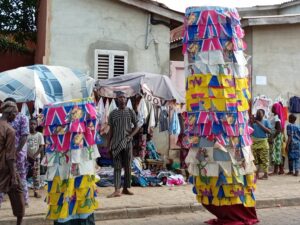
pixel 260 147
pixel 293 145
pixel 35 145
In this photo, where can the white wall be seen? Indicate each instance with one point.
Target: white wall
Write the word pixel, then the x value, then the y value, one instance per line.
pixel 78 27
pixel 276 54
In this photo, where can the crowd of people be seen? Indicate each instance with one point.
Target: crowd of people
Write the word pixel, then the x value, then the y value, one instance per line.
pixel 21 146
pixel 20 151
pixel 270 144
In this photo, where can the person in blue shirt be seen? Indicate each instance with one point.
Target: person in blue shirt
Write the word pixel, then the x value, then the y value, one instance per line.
pixel 260 147
pixel 293 145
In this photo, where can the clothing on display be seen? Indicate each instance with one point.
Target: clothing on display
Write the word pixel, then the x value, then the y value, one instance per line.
pixel 294 104
pixel 217 98
pixel 262 102
pixel 72 135
pixel 163 120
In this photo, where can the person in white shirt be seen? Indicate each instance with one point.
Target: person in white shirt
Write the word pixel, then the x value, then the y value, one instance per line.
pixel 35 144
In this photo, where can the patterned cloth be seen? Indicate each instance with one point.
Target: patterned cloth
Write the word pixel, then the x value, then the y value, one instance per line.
pixel 120 121
pixel 21 126
pixel 217 102
pixel 35 165
pixel 71 170
pixel 260 149
pixel 277 149
pixel 294 165
pixel 293 131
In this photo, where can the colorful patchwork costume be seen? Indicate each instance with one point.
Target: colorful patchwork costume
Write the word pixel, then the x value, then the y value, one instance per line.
pixel 71 134
pixel 217 96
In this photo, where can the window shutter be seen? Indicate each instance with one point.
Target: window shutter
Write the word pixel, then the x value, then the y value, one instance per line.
pixel 109 63
pixel 103 66
pixel 119 65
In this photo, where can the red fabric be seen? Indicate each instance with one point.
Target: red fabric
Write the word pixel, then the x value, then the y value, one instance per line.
pixel 278 110
pixel 232 215
pixel 285 113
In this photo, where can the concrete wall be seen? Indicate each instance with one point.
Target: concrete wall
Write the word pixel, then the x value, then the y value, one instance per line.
pixel 276 55
pixel 78 27
pixel 295 9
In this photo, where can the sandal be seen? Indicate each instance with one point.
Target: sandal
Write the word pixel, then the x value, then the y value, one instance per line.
pixel 114 195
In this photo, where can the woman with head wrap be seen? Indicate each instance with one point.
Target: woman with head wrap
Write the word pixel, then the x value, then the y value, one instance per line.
pixel 277 157
pixel 9 178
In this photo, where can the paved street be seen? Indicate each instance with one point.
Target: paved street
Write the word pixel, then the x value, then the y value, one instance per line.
pixel 282 187
pixel 272 216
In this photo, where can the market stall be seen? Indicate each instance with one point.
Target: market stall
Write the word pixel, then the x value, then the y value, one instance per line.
pixel 153 97
pixel 69 124
pixel 41 84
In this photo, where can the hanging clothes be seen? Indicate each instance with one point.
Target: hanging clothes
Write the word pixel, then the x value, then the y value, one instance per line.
pixel 100 111
pixel 151 119
pixel 129 104
pixel 106 111
pixel 163 120
pixel 25 111
pixel 142 109
pixel 175 125
pixel 294 104
pixel 112 106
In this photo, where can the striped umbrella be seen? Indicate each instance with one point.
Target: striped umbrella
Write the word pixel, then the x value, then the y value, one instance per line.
pixel 44 84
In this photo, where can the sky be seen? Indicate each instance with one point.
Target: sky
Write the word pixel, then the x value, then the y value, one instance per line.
pixel 181 5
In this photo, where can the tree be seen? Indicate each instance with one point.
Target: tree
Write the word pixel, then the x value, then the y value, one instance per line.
pixel 17 24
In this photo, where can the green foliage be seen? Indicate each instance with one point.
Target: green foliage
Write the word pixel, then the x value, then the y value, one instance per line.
pixel 7 45
pixel 18 22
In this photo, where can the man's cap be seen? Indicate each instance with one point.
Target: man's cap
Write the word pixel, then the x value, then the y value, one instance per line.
pixel 120 93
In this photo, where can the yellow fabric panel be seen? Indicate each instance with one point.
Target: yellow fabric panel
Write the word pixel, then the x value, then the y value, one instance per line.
pixel 206 103
pixel 243 104
pixel 241 83
pixel 249 201
pixel 53 212
pixel 225 201
pixel 215 191
pixel 226 80
pixel 250 178
pixel 197 92
pixel 228 190
pixel 229 92
pixel 219 104
pixel 53 198
pixel 247 94
pixel 85 200
pixel 205 200
pixel 213 181
pixel 189 102
pixel 64 213
pixel 86 208
pixel 215 201
pixel 235 201
pixel 81 193
pixel 217 92
pixel 198 80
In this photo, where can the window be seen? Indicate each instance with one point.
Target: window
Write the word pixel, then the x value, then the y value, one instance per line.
pixel 109 63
